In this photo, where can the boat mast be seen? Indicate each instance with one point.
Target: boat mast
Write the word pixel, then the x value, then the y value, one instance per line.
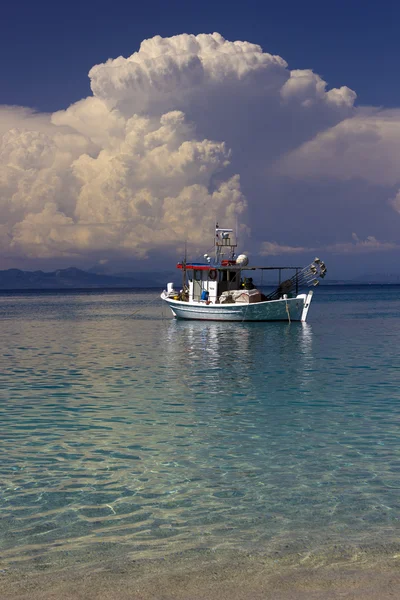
pixel 216 238
pixel 223 240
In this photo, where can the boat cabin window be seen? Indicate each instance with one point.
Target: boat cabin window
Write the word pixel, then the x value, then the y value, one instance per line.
pixel 231 276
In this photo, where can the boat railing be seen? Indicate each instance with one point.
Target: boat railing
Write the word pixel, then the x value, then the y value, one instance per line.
pixel 295 280
pixel 304 277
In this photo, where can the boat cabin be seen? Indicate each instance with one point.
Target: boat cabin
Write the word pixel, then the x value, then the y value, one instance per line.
pixel 207 283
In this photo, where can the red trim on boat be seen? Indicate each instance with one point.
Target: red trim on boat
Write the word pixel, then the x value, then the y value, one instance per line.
pixel 196 267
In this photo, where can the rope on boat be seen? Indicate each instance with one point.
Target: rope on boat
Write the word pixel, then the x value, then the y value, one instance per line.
pixel 145 306
pixel 245 312
pixel 287 310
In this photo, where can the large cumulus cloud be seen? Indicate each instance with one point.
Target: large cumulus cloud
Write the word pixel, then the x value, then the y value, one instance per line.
pixel 187 130
pixel 121 184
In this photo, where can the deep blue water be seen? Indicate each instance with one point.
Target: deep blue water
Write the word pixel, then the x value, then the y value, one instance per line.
pixel 126 431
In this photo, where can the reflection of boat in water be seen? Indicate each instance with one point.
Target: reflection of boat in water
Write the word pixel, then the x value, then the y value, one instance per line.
pixel 216 290
pixel 222 359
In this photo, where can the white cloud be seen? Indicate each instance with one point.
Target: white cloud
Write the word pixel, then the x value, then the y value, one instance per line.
pixel 308 88
pixel 356 246
pixel 185 131
pixel 275 249
pixel 147 190
pixel 365 146
pixel 170 73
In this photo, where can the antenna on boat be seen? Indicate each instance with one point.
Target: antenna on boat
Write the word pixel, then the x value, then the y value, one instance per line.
pixel 236 231
pixel 184 262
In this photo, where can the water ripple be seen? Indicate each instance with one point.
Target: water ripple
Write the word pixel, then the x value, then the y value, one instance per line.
pixel 160 435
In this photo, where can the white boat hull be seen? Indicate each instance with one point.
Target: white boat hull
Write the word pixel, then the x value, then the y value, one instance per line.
pixel 291 309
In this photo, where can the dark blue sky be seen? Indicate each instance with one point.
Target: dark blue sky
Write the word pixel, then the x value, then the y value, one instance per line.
pixel 47 48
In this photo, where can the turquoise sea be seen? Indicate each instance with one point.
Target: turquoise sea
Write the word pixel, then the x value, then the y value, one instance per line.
pixel 127 433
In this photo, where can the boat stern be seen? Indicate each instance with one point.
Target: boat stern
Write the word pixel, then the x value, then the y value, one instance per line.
pixel 307 302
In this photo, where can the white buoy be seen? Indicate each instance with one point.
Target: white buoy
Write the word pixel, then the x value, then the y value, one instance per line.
pixel 242 260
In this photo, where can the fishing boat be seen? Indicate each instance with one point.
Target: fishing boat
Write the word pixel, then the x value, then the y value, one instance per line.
pixel 219 289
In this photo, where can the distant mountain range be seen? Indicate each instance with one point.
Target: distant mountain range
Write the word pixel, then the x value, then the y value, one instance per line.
pixel 73 278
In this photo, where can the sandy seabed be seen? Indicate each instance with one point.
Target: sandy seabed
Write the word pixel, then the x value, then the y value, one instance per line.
pixel 207 575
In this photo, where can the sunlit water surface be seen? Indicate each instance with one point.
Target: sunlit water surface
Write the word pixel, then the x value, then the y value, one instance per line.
pixel 140 434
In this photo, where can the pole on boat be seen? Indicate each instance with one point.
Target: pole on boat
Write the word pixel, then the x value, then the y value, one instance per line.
pixel 184 268
pixel 217 242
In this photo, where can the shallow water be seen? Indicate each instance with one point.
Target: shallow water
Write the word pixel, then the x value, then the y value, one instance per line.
pixel 136 433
